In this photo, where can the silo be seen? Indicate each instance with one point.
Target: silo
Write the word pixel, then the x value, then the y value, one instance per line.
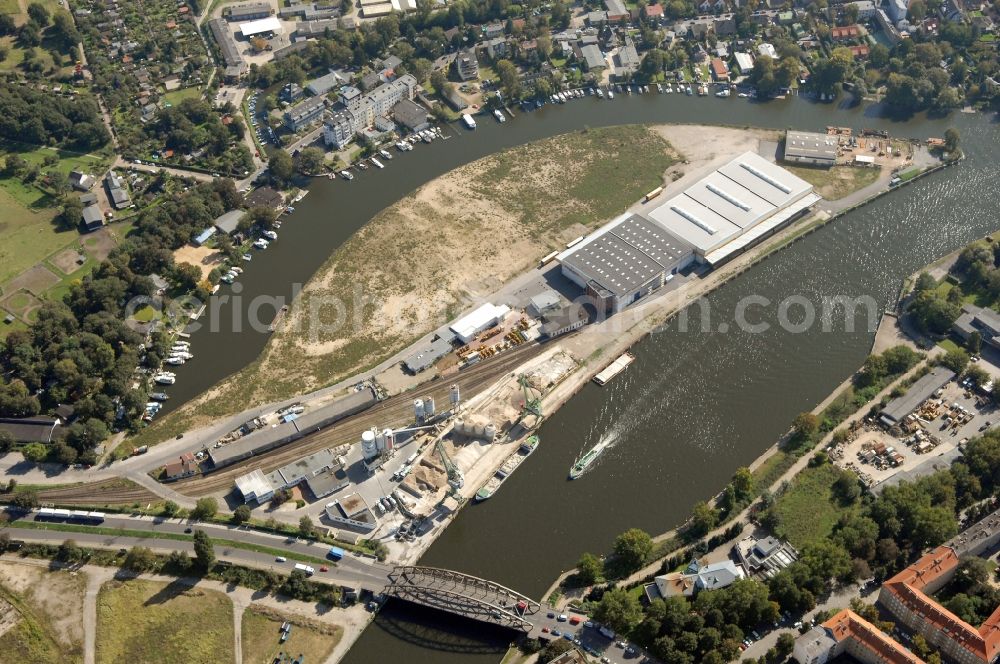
pixel 428 407
pixel 387 436
pixel 489 432
pixel 369 448
pixel 455 396
pixel 418 410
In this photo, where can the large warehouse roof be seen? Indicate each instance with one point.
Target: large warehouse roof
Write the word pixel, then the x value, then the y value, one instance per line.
pixel 269 24
pixel 729 201
pixel 810 146
pixel 625 254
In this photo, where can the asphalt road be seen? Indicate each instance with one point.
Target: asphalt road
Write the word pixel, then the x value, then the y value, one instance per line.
pixel 353 570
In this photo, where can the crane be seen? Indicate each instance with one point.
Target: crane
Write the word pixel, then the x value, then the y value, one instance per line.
pixel 455 477
pixel 532 400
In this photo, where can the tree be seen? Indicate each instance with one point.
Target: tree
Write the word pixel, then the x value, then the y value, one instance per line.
pixel 241 514
pixel 553 649
pixel 69 552
pixel 205 508
pixel 170 508
pixel 306 527
pixel 742 483
pixel 204 552
pixel 35 452
pixel 6 442
pixel 951 138
pixel 974 343
pixel 955 359
pixel 805 425
pixel 139 559
pixel 311 161
pixel 785 645
pixel 977 375
pixel 589 568
pixel 281 167
pixel 631 549
pixel 507 72
pixel 187 276
pixel 39 14
pixel 619 610
pixel 71 212
pixel 703 519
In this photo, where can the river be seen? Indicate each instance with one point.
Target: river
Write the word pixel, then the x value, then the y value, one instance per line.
pixel 694 407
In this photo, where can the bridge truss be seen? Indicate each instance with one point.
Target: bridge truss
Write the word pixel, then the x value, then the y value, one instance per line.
pixel 463 595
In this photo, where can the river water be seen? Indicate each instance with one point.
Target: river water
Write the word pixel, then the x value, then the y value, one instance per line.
pixel 696 405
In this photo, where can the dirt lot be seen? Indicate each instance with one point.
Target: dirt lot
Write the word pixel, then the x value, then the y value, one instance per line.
pixel 262 629
pixel 56 598
pixel 204 258
pixel 36 279
pixel 66 261
pixel 21 304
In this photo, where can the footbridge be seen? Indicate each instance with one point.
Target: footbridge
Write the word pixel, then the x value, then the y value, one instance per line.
pixel 464 595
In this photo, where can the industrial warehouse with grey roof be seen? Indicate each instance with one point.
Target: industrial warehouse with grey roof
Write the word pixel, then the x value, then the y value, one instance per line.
pixel 806 147
pixel 626 259
pixel 922 390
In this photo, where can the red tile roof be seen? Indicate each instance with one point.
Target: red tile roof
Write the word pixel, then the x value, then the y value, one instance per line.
pixel 845 32
pixel 849 625
pixel 654 10
pixel 908 587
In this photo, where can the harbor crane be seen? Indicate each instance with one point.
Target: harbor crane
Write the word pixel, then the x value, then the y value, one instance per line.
pixel 532 400
pixel 455 477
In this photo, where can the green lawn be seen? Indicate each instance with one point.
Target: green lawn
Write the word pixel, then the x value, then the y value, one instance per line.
pixel 9 7
pixel 262 630
pixel 141 621
pixel 26 236
pixel 177 96
pixel 807 510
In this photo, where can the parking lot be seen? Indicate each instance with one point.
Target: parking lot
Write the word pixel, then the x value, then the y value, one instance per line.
pixel 587 636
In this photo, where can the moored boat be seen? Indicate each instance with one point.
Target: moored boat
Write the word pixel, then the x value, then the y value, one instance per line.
pixel 510 464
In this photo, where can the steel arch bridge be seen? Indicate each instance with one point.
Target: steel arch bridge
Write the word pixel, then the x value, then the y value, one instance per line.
pixel 463 595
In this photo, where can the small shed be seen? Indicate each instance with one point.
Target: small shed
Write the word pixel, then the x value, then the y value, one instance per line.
pixel 204 236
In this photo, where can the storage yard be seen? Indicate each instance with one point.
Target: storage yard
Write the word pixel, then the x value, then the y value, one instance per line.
pixel 917 433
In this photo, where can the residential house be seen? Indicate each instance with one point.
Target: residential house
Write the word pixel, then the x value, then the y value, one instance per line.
pixel 698 576
pixel 411 115
pixel 985 321
pixel 339 128
pixel 185 466
pixel 768 50
pixel 467 65
pixel 627 60
pixel 744 61
pixel 846 32
pixel 654 12
pixel 291 93
pixel 764 557
pixel 866 9
pixel 265 197
pixel 81 181
pixel 616 10
pixel 596 18
pixel 249 11
pixel 720 72
pixel 492 30
pixel 228 222
pixel 849 635
pixel 117 191
pixel 592 56
pixel 37 429
pixel 304 113
pixel 496 48
pixel 323 84
pixel 724 25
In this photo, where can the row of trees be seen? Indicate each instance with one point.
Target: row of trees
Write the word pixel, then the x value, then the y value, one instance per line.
pixel 43 118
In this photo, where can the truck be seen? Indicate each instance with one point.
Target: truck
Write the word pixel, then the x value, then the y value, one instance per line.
pixel 305 568
pixel 335 552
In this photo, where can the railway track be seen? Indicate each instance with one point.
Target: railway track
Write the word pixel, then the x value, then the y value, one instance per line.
pixel 393 411
pixel 115 492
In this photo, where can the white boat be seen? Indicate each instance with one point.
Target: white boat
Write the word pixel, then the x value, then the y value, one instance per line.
pixel 579 93
pixel 362 165
pixel 659 88
pixel 743 95
pixel 165 380
pixel 427 136
pixel 385 153
pixel 645 89
pixel 347 175
pixel 377 163
pixel 260 243
pixel 183 354
pixel 237 270
pixel 403 146
pixel 227 278
pixel 247 257
pixel 600 93
pixel 611 95
pixel 469 121
pixel 722 93
pixel 175 360
pixel 688 91
pixel 498 114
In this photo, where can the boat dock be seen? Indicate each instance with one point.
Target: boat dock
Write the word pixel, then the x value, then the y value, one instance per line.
pixel 614 369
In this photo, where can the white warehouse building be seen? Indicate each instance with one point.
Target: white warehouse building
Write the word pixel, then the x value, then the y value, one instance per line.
pixel 734 207
pixel 713 220
pixel 467 327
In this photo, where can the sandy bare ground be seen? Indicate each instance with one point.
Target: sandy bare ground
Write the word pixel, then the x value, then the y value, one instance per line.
pixel 456 239
pixel 203 258
pixel 56 596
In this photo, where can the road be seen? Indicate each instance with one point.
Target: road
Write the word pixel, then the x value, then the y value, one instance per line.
pixel 353 570
pixel 150 168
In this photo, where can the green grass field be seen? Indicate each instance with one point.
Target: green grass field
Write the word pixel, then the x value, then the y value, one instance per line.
pixel 26 236
pixel 262 629
pixel 177 96
pixel 141 621
pixel 837 182
pixel 808 510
